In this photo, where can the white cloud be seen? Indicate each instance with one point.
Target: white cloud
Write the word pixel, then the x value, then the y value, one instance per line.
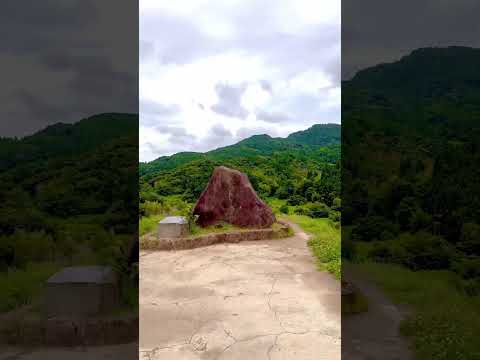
pixel 239 66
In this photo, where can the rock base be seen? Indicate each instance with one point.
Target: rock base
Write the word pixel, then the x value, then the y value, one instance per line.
pixel 150 242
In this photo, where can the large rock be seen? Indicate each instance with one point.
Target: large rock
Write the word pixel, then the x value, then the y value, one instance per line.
pixel 230 197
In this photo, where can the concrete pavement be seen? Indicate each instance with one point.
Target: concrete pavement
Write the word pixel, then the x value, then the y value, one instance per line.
pixel 251 300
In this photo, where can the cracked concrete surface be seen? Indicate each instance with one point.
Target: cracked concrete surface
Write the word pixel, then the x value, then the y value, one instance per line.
pixel 251 300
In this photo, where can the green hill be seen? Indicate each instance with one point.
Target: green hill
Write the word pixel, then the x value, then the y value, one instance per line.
pixel 318 135
pixel 302 168
pixel 66 139
pixel 410 169
pixel 68 196
pixel 258 145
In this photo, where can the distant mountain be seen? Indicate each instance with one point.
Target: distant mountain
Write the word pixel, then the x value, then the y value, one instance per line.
pixel 411 140
pixel 434 91
pixel 256 145
pixel 67 139
pixel 425 72
pixel 87 169
pixel 319 134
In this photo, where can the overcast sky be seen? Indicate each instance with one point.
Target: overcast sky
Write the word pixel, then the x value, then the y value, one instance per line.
pixel 379 31
pixel 64 60
pixel 214 72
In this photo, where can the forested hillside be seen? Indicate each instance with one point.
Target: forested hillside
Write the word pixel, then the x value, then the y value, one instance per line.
pixel 412 151
pixel 319 135
pixel 68 195
pixel 410 169
pixel 302 169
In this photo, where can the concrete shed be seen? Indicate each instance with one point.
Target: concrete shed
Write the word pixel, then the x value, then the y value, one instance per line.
pixel 81 291
pixel 172 227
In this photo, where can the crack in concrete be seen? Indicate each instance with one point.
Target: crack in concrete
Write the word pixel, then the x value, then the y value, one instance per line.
pixel 276 335
pixel 286 262
pixel 271 347
pixel 149 354
pixel 269 303
pixel 229 334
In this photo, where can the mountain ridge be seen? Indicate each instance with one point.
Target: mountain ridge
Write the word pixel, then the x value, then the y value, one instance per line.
pixel 318 135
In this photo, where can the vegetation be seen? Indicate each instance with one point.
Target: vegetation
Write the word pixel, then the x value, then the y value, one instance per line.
pixel 445 322
pixel 68 196
pixel 325 242
pixel 307 175
pixel 298 176
pixel 302 142
pixel 410 156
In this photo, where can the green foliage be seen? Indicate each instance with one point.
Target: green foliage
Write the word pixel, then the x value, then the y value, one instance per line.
pixel 148 223
pixel 22 286
pixel 325 242
pixel 438 329
pixel 284 209
pixel 410 155
pixel 68 196
pixel 320 141
pixel 299 169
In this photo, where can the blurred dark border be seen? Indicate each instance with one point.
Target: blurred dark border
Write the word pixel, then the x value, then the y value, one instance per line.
pixel 410 191
pixel 69 177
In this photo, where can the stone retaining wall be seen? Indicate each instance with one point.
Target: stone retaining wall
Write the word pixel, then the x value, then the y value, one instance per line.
pixel 151 242
pixel 70 332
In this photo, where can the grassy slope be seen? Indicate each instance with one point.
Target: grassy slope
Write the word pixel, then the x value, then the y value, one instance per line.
pixel 325 242
pixel 21 287
pixel 438 329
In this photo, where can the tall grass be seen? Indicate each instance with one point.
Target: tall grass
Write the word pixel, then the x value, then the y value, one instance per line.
pixel 148 223
pixel 325 242
pixel 21 286
pixel 445 322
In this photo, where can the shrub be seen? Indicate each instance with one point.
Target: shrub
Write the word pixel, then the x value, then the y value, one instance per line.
pixel 335 216
pixel 373 228
pixel 295 200
pixel 469 241
pixel 424 251
pixel 381 253
pixel 149 208
pixel 300 210
pixel 284 209
pixel 348 249
pixel 337 204
pixel 318 210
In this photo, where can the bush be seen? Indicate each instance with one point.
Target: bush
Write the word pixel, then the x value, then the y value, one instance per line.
pixel 300 210
pixel 149 208
pixel 334 216
pixel 295 200
pixel 468 268
pixel 425 251
pixel 284 209
pixel 337 204
pixel 318 210
pixel 381 253
pixel 373 228
pixel 23 247
pixel 469 242
pixel 348 249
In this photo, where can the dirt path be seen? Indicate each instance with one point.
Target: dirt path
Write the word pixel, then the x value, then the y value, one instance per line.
pixel 373 335
pixel 251 300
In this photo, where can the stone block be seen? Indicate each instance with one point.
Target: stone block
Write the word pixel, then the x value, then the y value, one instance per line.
pixel 172 227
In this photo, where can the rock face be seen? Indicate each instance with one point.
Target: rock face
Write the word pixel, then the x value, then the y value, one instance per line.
pixel 230 197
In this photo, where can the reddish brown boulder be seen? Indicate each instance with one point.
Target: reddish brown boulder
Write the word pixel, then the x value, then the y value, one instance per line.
pixel 230 197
